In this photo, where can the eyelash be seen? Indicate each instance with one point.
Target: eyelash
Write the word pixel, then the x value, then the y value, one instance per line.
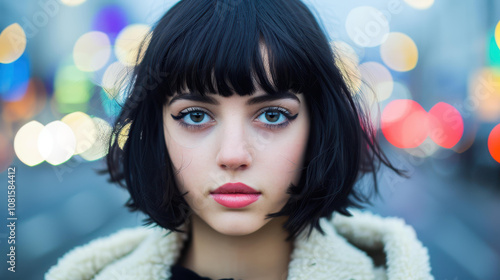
pixel 185 112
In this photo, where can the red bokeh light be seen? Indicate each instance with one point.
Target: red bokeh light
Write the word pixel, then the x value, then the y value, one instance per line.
pixel 446 125
pixel 404 123
pixel 494 143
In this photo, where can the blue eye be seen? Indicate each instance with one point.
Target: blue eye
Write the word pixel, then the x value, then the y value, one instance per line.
pixel 196 118
pixel 192 118
pixel 275 117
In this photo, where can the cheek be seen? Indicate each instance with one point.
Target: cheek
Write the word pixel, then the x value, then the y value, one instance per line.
pixel 287 153
pixel 178 156
pixel 190 167
pixel 284 163
pixel 191 174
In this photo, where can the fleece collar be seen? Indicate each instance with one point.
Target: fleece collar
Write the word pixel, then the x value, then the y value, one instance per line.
pixel 344 252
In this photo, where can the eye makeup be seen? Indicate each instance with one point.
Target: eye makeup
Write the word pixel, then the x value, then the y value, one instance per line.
pixel 189 118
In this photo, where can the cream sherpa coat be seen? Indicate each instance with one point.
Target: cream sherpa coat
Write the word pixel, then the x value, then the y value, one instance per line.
pixel 361 247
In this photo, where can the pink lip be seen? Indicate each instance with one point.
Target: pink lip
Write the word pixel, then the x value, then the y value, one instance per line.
pixel 235 195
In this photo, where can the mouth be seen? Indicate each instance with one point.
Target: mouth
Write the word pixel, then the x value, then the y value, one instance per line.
pixel 235 195
pixel 234 188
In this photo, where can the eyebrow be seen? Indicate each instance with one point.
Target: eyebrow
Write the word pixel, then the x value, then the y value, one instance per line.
pixel 254 100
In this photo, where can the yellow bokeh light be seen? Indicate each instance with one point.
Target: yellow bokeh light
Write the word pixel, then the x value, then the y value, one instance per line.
pixel 115 79
pixel 72 2
pixel 12 43
pixel 100 147
pixel 128 43
pixel 377 79
pixel 399 52
pixel 25 143
pixel 123 135
pixel 347 61
pixel 420 4
pixel 484 94
pixel 91 51
pixel 56 142
pixel 84 130
pixel 497 34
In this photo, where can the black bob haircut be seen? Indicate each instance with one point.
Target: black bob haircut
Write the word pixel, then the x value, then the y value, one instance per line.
pixel 214 47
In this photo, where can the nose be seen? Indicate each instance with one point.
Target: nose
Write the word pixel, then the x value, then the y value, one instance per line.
pixel 234 151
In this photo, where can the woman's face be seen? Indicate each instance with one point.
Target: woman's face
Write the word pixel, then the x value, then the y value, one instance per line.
pixel 254 140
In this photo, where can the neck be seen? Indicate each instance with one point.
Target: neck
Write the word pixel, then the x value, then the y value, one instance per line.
pixel 263 254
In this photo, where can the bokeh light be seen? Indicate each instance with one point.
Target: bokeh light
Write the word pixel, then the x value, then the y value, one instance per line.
pixel 100 147
pixel 404 123
pixel 399 91
pixel 112 107
pixel 377 80
pixel 72 89
pixel 83 128
pixel 91 51
pixel 484 94
pixel 494 143
pixel 14 79
pixel 72 2
pixel 446 125
pixel 56 142
pixel 115 79
pixel 493 52
pixel 347 61
pixel 128 44
pixel 367 26
pixel 26 143
pixel 12 43
pixel 123 135
pixel 399 52
pixel 497 34
pixel 29 105
pixel 420 4
pixel 110 20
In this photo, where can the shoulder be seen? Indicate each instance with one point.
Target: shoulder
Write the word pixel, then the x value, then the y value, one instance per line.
pixel 389 241
pixel 368 229
pixel 363 246
pixel 85 261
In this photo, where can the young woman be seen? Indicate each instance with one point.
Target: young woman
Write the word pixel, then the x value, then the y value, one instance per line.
pixel 243 146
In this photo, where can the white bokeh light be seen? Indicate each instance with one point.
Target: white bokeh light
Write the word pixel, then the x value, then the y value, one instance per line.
pixel 25 143
pixel 367 26
pixel 100 147
pixel 56 142
pixel 115 79
pixel 420 4
pixel 91 51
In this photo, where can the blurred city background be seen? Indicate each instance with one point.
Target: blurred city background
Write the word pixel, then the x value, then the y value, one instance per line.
pixel 433 65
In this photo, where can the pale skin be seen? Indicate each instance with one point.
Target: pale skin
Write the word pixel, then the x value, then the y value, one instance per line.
pixel 232 144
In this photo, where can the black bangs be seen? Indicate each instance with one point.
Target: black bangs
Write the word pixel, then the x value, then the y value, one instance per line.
pixel 232 46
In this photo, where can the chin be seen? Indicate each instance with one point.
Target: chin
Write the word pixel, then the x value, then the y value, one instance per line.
pixel 237 226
